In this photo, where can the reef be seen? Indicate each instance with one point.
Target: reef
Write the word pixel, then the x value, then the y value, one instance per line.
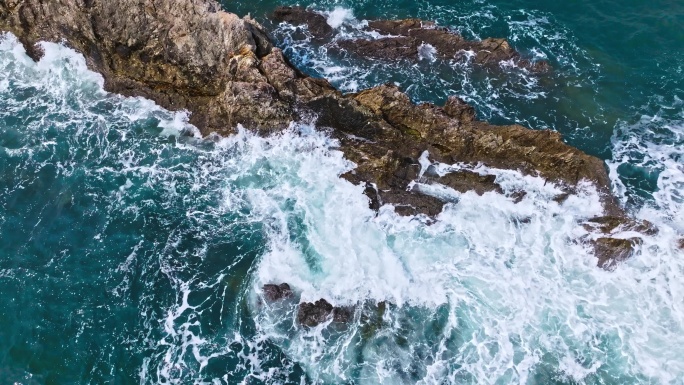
pixel 224 69
pixel 410 39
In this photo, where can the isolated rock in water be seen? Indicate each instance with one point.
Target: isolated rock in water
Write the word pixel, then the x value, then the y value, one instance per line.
pixel 316 23
pixel 314 314
pixel 274 293
pixel 680 244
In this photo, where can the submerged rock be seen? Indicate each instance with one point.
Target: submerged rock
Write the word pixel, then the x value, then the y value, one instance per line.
pixel 190 55
pixel 313 314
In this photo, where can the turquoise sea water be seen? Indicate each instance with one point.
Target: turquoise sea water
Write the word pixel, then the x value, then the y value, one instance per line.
pixel 132 254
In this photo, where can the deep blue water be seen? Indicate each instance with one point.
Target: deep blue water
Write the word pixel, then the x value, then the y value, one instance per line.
pixel 131 254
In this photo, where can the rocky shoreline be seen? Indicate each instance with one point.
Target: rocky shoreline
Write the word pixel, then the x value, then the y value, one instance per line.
pixel 190 55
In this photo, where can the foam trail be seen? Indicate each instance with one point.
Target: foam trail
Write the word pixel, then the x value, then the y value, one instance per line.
pixel 494 291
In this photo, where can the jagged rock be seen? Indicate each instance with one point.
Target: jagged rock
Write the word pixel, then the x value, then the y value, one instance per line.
pixel 608 224
pixel 458 109
pixel 406 36
pixel 611 251
pixel 274 293
pixel 396 132
pixel 182 54
pixel 314 314
pixel 317 23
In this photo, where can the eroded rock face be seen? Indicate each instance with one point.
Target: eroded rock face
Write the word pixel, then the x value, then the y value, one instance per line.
pixel 397 132
pixel 187 54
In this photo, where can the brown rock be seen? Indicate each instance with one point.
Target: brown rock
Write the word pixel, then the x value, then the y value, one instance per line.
pixel 611 251
pixel 459 109
pixel 406 36
pixel 182 54
pixel 610 223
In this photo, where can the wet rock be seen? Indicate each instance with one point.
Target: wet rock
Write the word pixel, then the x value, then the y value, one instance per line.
pixel 611 223
pixel 463 181
pixel 611 251
pixel 182 54
pixel 274 293
pixel 316 23
pixel 458 109
pixel 396 132
pixel 680 244
pixel 405 37
pixel 313 314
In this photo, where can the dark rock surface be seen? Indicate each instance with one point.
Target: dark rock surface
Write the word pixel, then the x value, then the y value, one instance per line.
pixel 274 293
pixel 317 23
pixel 403 40
pixel 313 314
pixel 188 54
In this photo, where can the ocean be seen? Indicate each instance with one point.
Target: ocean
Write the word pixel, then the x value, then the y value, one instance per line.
pixel 133 251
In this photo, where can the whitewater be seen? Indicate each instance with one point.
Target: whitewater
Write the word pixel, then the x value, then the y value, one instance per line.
pixel 145 247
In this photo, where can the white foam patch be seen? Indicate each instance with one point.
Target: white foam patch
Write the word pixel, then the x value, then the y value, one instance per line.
pixel 427 52
pixel 339 16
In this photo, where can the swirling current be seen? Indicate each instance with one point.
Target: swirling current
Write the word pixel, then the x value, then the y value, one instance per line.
pixel 133 250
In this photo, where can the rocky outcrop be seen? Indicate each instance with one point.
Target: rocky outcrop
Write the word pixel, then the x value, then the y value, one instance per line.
pixel 611 251
pixel 396 132
pixel 188 54
pixel 182 54
pixel 410 39
pixel 312 314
